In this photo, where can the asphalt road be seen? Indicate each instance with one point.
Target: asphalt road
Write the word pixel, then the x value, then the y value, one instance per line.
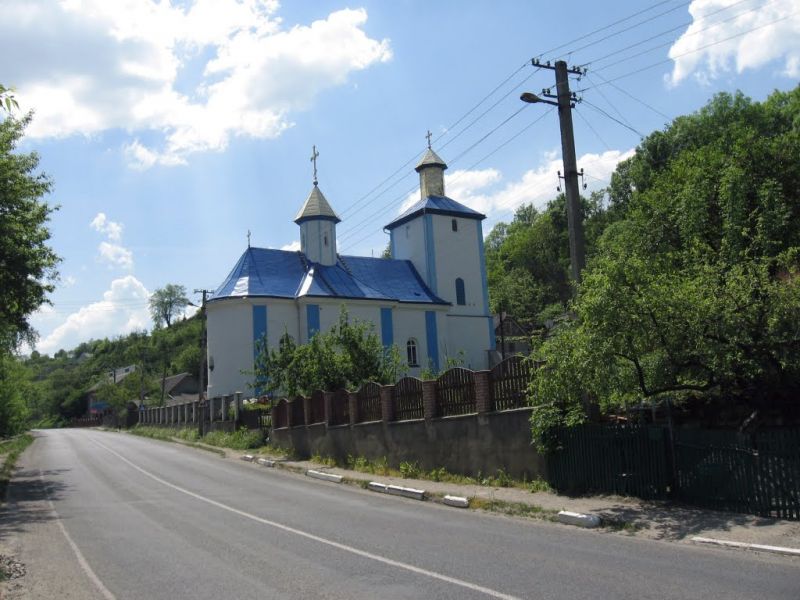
pixel 106 515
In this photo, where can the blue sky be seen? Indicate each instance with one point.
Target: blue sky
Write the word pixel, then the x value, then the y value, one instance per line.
pixel 171 129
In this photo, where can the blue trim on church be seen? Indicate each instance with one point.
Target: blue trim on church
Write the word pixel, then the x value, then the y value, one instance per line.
pixel 312 319
pixel 432 338
pixel 259 332
pixel 430 252
pixel 387 327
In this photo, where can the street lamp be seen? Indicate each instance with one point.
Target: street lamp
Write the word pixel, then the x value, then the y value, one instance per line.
pixel 532 98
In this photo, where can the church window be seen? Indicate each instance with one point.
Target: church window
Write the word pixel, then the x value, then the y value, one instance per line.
pixel 325 240
pixel 454 224
pixel 411 352
pixel 461 296
pixel 408 231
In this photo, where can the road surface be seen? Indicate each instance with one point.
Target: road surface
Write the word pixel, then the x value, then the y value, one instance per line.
pixel 107 515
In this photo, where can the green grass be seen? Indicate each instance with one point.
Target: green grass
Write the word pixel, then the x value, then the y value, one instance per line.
pixel 12 448
pixel 514 509
pixel 243 439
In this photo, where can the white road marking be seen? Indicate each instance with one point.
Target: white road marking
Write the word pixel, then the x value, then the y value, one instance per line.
pixel 78 554
pixel 316 538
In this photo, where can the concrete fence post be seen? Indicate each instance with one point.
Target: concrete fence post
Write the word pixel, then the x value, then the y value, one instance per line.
pixel 483 391
pixel 211 402
pixel 429 399
pixel 237 407
pixel 387 403
pixel 306 409
pixel 327 402
pixel 352 400
pixel 289 411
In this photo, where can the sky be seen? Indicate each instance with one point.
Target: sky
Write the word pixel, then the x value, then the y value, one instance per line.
pixel 172 129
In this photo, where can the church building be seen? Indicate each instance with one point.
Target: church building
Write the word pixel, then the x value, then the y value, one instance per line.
pixel 430 298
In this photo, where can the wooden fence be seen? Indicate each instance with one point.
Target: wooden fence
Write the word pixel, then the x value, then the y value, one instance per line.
pixel 340 408
pixel 408 399
pixel 455 392
pixel 368 400
pixel 510 380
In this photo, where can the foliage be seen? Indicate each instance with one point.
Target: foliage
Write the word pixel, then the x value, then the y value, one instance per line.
pixel 694 290
pixel 12 448
pixel 15 385
pixel 243 439
pixel 528 261
pixel 27 263
pixel 8 101
pixel 346 356
pixel 167 303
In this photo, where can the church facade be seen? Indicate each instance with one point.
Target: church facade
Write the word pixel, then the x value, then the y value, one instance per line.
pixel 430 299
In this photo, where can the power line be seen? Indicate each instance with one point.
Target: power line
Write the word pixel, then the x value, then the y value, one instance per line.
pixel 631 96
pixel 605 27
pixel 671 59
pixel 613 118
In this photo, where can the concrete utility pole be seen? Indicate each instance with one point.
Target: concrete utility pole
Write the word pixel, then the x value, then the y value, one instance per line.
pixel 565 105
pixel 203 345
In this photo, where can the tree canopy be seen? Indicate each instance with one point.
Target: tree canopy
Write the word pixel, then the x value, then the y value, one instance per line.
pixel 693 291
pixel 167 303
pixel 27 263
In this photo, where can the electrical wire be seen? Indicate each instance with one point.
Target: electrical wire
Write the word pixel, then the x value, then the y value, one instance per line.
pixel 613 118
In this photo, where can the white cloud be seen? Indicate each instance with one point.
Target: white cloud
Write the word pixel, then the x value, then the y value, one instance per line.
pixel 123 309
pixel 706 50
pixel 114 254
pixel 293 246
pixel 483 190
pixel 196 75
pixel 102 224
pixel 111 251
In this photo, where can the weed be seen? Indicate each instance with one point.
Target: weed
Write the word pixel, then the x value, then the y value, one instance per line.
pixel 243 439
pixel 515 509
pixel 323 460
pixel 409 470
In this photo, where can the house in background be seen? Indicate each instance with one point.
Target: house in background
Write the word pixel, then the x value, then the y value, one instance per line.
pixel 115 376
pixel 430 299
pixel 180 389
pixel 511 337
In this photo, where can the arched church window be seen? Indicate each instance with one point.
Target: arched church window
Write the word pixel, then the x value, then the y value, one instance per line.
pixel 411 352
pixel 454 224
pixel 325 240
pixel 461 296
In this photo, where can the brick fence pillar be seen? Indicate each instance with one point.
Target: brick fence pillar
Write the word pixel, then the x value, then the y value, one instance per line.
pixel 483 391
pixel 288 405
pixel 327 401
pixel 429 399
pixel 387 403
pixel 352 399
pixel 307 409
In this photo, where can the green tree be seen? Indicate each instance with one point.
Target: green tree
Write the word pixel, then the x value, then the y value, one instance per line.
pixel 27 263
pixel 694 291
pixel 167 303
pixel 347 355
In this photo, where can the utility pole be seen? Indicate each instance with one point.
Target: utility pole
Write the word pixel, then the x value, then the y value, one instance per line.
pixel 203 344
pixel 565 103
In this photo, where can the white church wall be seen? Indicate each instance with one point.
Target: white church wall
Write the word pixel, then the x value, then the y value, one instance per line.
pixel 462 333
pixel 409 244
pixel 458 255
pixel 229 323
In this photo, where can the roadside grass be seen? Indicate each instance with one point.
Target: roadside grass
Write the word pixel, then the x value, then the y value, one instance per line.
pixel 412 470
pixel 513 509
pixel 11 448
pixel 243 439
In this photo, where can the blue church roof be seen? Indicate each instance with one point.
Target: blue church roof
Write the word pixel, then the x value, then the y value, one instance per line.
pixel 438 205
pixel 262 272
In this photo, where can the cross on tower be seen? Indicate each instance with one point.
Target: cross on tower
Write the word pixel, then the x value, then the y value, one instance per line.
pixel 314 155
pixel 429 136
pixel 248 238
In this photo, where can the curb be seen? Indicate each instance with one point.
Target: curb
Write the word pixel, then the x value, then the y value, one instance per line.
pixel 265 462
pixel 745 546
pixel 324 476
pixel 579 519
pixel 457 501
pixel 247 457
pixel 396 490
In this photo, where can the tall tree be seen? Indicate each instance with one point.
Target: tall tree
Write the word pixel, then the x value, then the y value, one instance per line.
pixel 694 293
pixel 27 263
pixel 167 303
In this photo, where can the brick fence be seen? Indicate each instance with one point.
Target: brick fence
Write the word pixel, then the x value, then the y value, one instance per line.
pixel 470 422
